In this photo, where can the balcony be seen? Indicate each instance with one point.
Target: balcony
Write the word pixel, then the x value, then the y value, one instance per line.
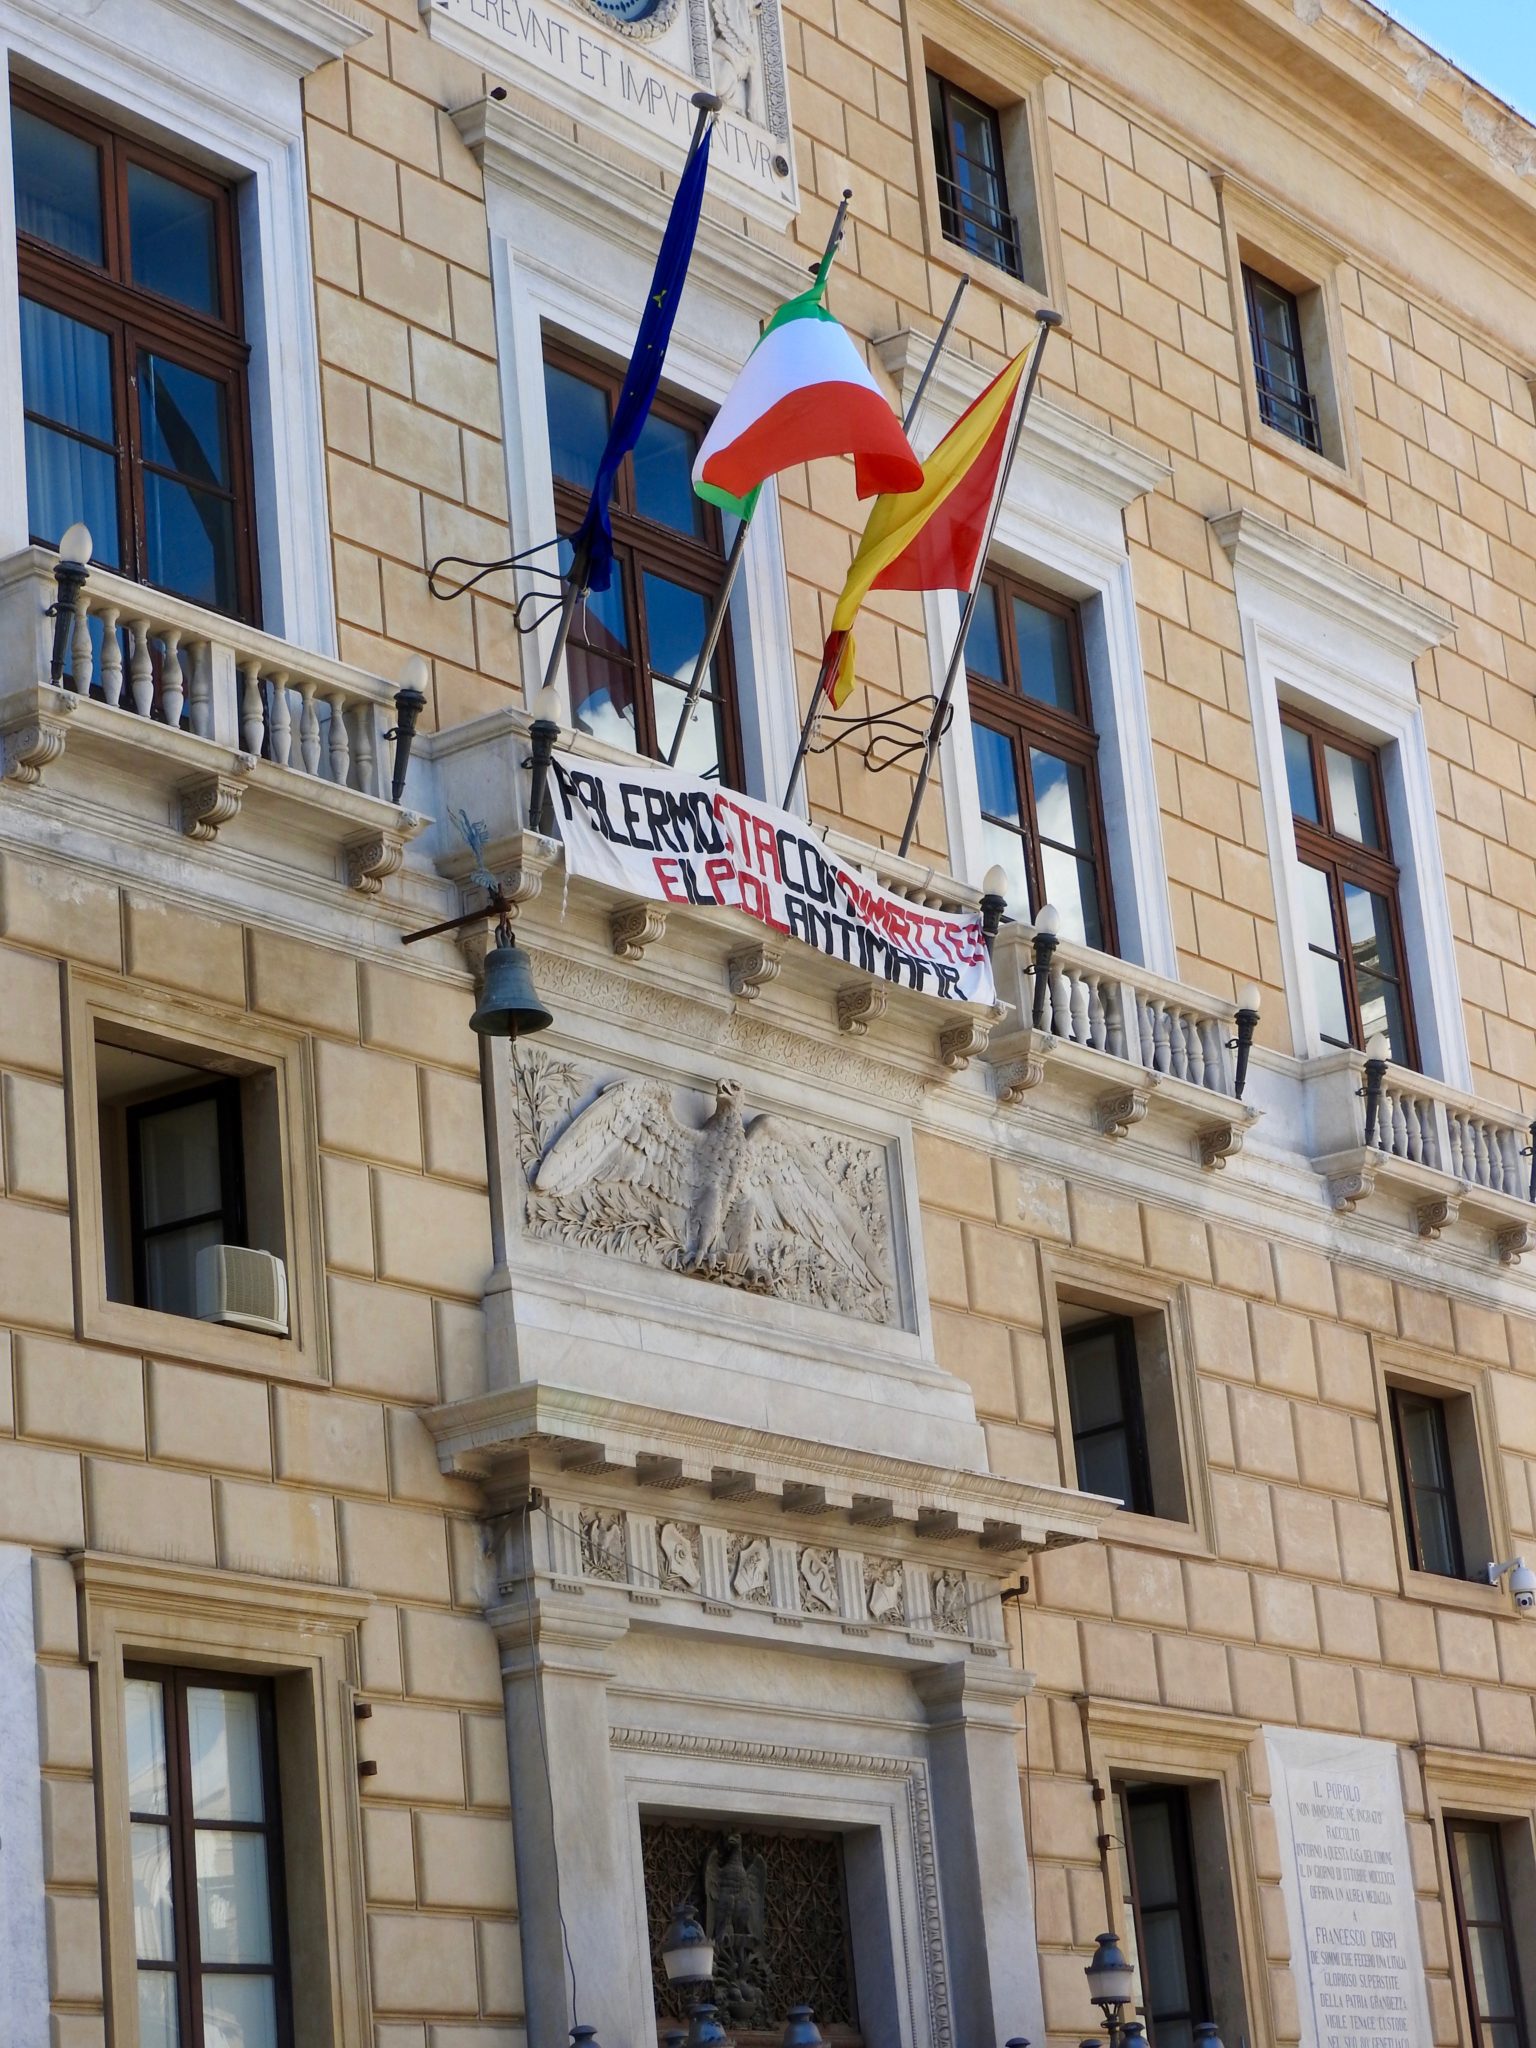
pixel 179 713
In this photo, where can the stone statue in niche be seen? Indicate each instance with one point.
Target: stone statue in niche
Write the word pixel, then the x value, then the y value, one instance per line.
pixel 678 1543
pixel 818 1580
pixel 748 1557
pixel 951 1607
pixel 885 1589
pixel 736 54
pixel 604 1550
pixel 771 1206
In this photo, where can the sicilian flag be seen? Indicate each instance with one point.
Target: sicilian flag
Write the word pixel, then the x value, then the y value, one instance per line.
pixel 931 538
pixel 592 544
pixel 803 392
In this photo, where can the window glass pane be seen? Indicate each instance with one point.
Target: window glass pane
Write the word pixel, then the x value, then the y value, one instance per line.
pixel 184 420
pixel 69 480
pixel 675 618
pixel 997 783
pixel 1061 800
pixel 1317 910
pixel 1104 1466
pixel 1157 1877
pixel 1162 1959
pixel 224 1737
pixel 1477 1871
pixel 1298 775
pixel 1351 796
pixel 1070 885
pixel 234 1915
pixel 664 476
pixel 58 185
pixel 66 372
pixel 179 1171
pixel 158 2026
pixel 190 542
pixel 154 1936
pixel 1437 1535
pixel 1005 849
pixel 578 425
pixel 1093 1380
pixel 983 646
pixel 703 743
pixel 144 1714
pixel 1423 1432
pixel 1490 1972
pixel 171 239
pixel 170 1266
pixel 239 2012
pixel 1328 994
pixel 601 674
pixel 1045 655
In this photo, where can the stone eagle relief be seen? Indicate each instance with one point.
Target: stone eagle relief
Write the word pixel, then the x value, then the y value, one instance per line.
pixel 769 1205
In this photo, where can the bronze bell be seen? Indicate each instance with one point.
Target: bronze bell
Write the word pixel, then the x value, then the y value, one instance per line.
pixel 509 1005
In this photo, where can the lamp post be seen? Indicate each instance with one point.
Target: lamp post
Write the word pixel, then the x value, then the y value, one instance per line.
pixel 688 1958
pixel 1047 929
pixel 69 574
pixel 1376 1063
pixel 1111 1987
pixel 994 902
pixel 410 702
pixel 1247 1022
pixel 542 735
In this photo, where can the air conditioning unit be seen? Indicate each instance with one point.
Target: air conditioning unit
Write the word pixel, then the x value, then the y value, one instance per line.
pixel 249 1289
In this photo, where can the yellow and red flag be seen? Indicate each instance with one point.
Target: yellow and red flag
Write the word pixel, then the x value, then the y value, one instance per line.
pixel 930 538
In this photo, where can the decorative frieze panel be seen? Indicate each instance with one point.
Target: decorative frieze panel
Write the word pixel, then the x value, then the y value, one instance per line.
pixel 765 1203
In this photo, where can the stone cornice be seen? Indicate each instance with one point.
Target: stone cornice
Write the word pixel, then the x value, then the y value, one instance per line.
pixel 498 1434
pixel 1054 438
pixel 1299 569
pixel 300 34
pixel 155 1585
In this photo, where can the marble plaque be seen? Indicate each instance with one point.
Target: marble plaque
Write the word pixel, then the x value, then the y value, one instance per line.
pixel 1348 1884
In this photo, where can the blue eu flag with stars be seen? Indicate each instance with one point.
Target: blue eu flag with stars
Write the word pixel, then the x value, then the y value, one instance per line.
pixel 593 544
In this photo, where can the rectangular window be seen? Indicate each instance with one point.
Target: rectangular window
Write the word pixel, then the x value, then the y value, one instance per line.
pixel 1156 1827
pixel 1349 888
pixel 1125 1433
pixel 1485 1922
pixel 208 1911
pixel 1286 401
pixel 1037 756
pixel 969 163
pixel 133 359
pixel 1427 1474
pixel 633 647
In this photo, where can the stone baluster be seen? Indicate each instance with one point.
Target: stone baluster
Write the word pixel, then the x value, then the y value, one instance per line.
pixel 200 703
pixel 141 673
pixel 1144 1029
pixel 1098 1035
pixel 111 656
pixel 309 730
pixel 1079 1001
pixel 341 746
pixel 173 690
pixel 253 715
pixel 362 749
pixel 280 730
pixel 1162 1038
pixel 81 657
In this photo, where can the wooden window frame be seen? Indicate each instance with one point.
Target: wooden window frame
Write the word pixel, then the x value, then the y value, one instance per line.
pixel 640 544
pixel 1482 1825
pixel 137 320
pixel 1025 721
pixel 1341 859
pixel 1275 408
pixel 1133 1418
pixel 1397 1397
pixel 1192 1934
pixel 954 217
pixel 225 1094
pixel 182 1824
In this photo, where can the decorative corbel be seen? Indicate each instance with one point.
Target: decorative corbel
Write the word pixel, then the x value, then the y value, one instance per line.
pixel 1015 1078
pixel 27 747
pixel 1511 1244
pixel 1114 1114
pixel 372 860
pixel 963 1043
pixel 752 969
pixel 213 800
pixel 859 1003
pixel 1431 1217
pixel 1220 1142
pixel 1347 1190
pixel 634 926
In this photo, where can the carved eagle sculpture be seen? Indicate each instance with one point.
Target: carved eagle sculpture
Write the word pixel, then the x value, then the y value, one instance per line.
pixel 750 1205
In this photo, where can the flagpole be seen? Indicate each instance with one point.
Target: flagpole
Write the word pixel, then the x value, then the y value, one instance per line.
pixel 739 545
pixel 1047 319
pixel 707 105
pixel 914 406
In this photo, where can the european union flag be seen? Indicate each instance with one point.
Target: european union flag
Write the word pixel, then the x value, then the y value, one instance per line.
pixel 594 539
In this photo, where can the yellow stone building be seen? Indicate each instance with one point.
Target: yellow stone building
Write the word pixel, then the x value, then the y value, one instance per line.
pixel 1060 1494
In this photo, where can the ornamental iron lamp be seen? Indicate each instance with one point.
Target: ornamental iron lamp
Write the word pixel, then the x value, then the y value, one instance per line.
pixel 687 1952
pixel 543 733
pixel 994 902
pixel 410 702
pixel 1047 934
pixel 509 1005
pixel 1111 1980
pixel 704 2030
pixel 1247 1022
pixel 69 574
pixel 1376 1062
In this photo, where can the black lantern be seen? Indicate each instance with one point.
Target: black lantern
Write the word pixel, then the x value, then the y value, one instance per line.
pixel 994 902
pixel 69 574
pixel 1047 930
pixel 1247 1022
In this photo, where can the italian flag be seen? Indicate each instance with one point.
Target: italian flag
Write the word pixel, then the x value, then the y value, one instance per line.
pixel 803 392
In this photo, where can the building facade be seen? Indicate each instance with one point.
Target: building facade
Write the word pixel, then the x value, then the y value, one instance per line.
pixel 1058 1491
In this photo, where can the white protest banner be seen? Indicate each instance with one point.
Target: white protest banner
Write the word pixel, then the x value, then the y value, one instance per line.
pixel 677 839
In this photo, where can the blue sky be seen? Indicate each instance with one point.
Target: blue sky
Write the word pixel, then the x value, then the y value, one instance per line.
pixel 1495 40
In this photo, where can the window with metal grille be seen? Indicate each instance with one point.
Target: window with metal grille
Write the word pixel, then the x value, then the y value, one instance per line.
pixel 972 178
pixel 1419 1426
pixel 1286 400
pixel 1036 756
pixel 133 356
pixel 1486 1925
pixel 776 1905
pixel 208 1911
pixel 1349 889
pixel 633 646
pixel 1165 1901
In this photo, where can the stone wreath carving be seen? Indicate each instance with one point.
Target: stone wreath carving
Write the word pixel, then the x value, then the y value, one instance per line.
pixel 770 1206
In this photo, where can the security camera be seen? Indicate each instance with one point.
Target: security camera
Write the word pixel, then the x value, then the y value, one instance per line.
pixel 1522 1582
